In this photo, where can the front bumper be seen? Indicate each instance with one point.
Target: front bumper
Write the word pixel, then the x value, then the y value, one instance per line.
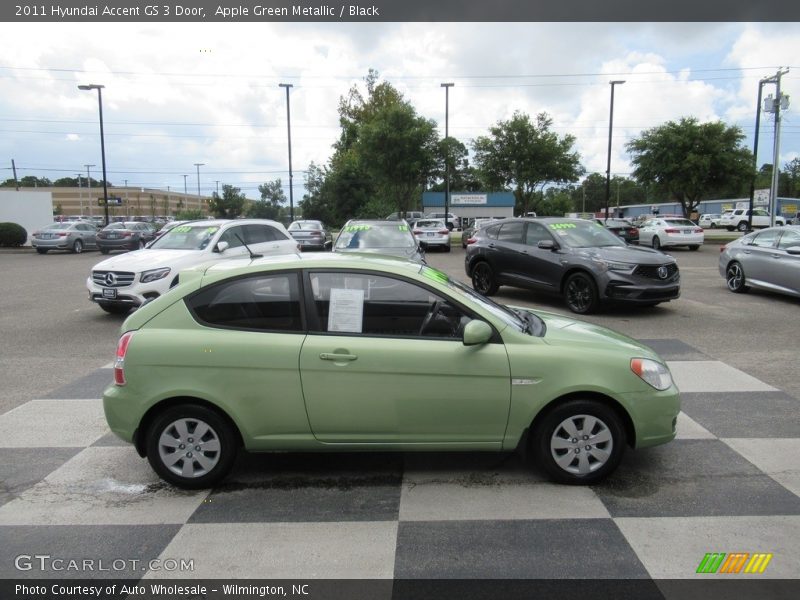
pixel 638 289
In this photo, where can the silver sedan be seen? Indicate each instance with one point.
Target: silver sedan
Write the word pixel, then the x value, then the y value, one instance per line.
pixel 768 259
pixel 73 236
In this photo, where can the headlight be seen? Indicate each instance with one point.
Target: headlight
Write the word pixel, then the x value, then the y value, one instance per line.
pixel 154 275
pixel 610 265
pixel 652 372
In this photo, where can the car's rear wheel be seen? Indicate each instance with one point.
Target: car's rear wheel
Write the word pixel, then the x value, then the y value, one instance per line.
pixel 713 226
pixel 580 293
pixel 742 226
pixel 656 243
pixel 734 278
pixel 483 280
pixel 104 250
pixel 77 247
pixel 115 309
pixel 579 442
pixel 191 446
pixel 42 250
pixel 447 247
pixel 694 247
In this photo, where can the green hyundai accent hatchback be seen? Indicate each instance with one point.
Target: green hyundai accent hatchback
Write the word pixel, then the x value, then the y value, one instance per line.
pixel 355 353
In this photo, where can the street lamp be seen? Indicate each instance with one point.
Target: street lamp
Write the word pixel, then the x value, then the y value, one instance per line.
pixel 610 128
pixel 99 88
pixel 447 87
pixel 289 132
pixel 199 203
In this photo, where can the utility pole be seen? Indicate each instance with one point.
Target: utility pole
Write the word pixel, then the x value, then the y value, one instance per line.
pixel 775 105
pixel 289 134
pixel 447 87
pixel 14 168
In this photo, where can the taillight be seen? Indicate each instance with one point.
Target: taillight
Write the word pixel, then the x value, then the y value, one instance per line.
pixel 698 230
pixel 722 248
pixel 472 240
pixel 316 234
pixel 63 234
pixel 633 230
pixel 127 234
pixel 444 231
pixel 417 232
pixel 672 231
pixel 119 361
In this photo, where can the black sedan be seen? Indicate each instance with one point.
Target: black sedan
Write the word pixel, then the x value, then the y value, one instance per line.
pixel 622 228
pixel 578 259
pixel 128 235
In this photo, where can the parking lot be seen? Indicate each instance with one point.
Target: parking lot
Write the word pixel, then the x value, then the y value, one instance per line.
pixel 728 484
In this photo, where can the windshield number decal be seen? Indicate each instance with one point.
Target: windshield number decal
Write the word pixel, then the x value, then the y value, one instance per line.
pixel 354 228
pixel 435 275
pixel 562 226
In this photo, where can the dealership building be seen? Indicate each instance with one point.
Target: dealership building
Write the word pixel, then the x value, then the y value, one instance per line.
pixel 471 205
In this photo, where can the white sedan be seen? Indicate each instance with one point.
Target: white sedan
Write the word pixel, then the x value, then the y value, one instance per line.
pixel 669 231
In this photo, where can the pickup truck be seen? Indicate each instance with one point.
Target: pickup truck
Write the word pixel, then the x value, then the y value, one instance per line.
pixel 738 219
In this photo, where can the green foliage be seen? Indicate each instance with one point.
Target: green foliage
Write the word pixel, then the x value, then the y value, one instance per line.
pixel 12 235
pixel 228 206
pixel 691 161
pixel 189 215
pixel 269 207
pixel 526 156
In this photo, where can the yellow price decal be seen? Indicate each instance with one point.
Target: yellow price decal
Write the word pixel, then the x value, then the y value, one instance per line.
pixel 563 225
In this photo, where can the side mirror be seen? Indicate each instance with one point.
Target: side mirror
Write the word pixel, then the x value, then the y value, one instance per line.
pixel 547 245
pixel 221 247
pixel 477 332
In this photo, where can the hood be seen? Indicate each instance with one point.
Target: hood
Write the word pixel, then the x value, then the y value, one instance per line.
pixel 628 254
pixel 142 260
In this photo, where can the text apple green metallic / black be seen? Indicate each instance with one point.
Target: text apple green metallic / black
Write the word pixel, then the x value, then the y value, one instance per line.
pixel 360 353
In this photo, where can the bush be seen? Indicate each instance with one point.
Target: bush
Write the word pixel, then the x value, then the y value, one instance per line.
pixel 12 235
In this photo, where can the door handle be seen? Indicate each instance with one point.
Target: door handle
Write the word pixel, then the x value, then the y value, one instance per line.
pixel 337 357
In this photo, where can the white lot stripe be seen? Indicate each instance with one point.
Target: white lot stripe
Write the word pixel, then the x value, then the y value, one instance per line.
pixel 102 486
pixel 714 376
pixel 776 457
pixel 108 366
pixel 689 429
pixel 671 548
pixel 53 424
pixel 356 550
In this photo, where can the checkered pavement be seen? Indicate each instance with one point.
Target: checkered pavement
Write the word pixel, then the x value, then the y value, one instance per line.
pixel 729 483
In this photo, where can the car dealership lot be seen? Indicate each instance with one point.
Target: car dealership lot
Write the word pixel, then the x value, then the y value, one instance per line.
pixel 728 484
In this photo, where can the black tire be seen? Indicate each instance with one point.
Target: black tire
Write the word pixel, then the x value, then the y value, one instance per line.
pixel 742 226
pixel 115 309
pixel 77 247
pixel 694 247
pixel 447 248
pixel 180 424
pixel 656 243
pixel 730 228
pixel 104 251
pixel 42 250
pixel 735 279
pixel 483 279
pixel 141 245
pixel 551 445
pixel 580 293
pixel 713 226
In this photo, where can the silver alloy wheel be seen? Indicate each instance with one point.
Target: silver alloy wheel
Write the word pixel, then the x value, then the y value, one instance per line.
pixel 734 277
pixel 581 444
pixel 189 448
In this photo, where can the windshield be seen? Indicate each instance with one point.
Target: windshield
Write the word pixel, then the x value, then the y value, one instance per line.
pixel 186 237
pixel 583 234
pixel 429 224
pixel 354 237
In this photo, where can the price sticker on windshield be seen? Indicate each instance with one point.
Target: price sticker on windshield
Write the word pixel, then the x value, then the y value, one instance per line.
pixel 562 226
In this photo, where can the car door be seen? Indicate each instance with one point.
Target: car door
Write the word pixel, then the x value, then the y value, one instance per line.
pixel 265 239
pixel 508 254
pixel 758 255
pixel 647 231
pixel 539 267
pixel 372 374
pixel 89 234
pixel 785 266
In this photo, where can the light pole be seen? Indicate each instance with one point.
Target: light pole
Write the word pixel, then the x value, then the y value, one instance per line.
pixel 199 203
pixel 289 132
pixel 610 129
pixel 89 186
pixel 185 192
pixel 80 191
pixel 447 87
pixel 99 88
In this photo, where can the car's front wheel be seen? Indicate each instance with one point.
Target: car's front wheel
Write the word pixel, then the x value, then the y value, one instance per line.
pixel 191 446
pixel 656 243
pixel 77 247
pixel 742 226
pixel 694 247
pixel 579 442
pixel 734 278
pixel 580 293
pixel 483 280
pixel 42 250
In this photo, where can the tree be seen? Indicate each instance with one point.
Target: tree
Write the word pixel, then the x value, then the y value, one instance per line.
pixel 526 156
pixel 463 176
pixel 270 205
pixel 691 161
pixel 229 205
pixel 66 182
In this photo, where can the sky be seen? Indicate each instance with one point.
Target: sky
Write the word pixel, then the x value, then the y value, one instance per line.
pixel 177 94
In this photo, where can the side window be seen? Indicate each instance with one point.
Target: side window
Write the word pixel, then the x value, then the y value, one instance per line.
pixel 536 233
pixel 258 234
pixel 765 239
pixel 230 236
pixel 261 303
pixel 492 232
pixel 788 239
pixel 358 303
pixel 511 232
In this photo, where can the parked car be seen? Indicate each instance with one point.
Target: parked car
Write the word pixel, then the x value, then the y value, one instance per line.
pixel 73 236
pixel 671 232
pixel 409 215
pixel 167 227
pixel 622 228
pixel 576 258
pixel 311 235
pixel 127 281
pixel 328 352
pixel 129 235
pixel 453 222
pixel 738 219
pixel 768 260
pixel 431 233
pixel 468 233
pixel 709 221
pixel 392 238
